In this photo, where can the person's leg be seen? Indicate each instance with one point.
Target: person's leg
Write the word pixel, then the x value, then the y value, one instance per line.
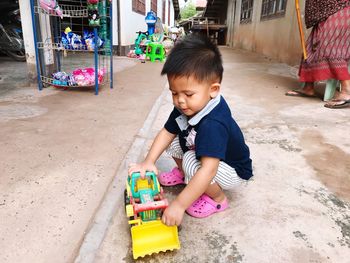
pixel 225 178
pixel 213 200
pixel 215 192
pixel 178 163
pixel 307 91
pixel 176 175
pixel 190 167
pixel 342 98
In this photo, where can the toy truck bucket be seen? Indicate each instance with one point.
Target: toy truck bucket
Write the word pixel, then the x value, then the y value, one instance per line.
pixel 153 237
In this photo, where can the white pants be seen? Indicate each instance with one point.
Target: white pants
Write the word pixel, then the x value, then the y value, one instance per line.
pixel 226 176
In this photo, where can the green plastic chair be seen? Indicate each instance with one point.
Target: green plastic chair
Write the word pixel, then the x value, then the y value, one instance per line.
pixel 155 51
pixel 331 87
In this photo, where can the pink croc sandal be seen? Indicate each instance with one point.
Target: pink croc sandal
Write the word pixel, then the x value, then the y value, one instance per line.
pixel 204 206
pixel 174 177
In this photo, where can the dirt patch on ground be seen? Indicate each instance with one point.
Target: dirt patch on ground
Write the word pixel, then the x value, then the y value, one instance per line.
pixel 331 164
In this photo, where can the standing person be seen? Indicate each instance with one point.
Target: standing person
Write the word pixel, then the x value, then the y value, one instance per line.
pixel 203 138
pixel 328 49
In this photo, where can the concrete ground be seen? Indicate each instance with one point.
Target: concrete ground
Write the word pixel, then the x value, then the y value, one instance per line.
pixel 59 162
pixel 59 152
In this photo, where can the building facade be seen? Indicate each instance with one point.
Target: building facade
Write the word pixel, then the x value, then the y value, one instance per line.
pixel 132 19
pixel 268 27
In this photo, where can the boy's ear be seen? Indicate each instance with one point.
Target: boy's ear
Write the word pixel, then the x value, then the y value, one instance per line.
pixel 214 89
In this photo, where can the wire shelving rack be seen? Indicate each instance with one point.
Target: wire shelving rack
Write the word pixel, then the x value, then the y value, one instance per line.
pixel 49 49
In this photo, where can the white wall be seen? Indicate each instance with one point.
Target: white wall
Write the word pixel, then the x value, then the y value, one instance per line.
pixel 172 15
pixel 132 22
pixel 28 38
pixel 115 23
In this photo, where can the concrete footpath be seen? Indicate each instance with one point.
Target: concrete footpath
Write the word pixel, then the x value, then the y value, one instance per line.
pixel 63 171
pixel 296 209
pixel 59 153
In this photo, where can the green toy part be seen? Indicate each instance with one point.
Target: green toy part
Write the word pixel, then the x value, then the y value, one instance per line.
pixel 155 51
pixel 93 15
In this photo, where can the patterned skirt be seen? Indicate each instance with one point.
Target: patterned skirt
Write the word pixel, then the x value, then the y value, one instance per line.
pixel 328 49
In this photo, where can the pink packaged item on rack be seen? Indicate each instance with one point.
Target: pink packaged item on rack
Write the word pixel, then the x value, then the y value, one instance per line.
pixel 86 76
pixel 51 7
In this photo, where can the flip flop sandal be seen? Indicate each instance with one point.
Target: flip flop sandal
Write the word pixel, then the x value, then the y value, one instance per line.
pixel 343 104
pixel 204 206
pixel 298 93
pixel 174 177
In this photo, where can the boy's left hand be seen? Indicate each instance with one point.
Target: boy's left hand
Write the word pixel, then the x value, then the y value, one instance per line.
pixel 173 214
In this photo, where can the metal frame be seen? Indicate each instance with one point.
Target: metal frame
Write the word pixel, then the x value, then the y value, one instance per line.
pixel 72 12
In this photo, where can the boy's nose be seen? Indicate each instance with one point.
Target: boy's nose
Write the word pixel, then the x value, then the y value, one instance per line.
pixel 181 100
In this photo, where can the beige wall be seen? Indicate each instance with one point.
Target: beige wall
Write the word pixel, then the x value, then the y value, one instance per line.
pixel 277 38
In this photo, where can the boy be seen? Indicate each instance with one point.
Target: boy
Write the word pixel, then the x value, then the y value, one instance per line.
pixel 200 134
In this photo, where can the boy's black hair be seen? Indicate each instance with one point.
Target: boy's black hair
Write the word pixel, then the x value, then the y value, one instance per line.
pixel 195 55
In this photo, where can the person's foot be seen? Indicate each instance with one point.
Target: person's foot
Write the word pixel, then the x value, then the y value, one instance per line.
pixel 341 100
pixel 308 90
pixel 301 93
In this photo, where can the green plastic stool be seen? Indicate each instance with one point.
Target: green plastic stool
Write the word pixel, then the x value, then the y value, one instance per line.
pixel 155 51
pixel 331 87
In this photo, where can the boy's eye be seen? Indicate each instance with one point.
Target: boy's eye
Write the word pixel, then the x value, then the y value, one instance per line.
pixel 189 94
pixel 173 93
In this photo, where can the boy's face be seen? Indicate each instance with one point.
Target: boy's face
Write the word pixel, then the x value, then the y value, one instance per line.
pixel 190 95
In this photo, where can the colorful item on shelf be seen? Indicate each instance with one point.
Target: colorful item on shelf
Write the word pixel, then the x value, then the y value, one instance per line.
pixel 63 79
pixel 71 40
pixel 51 7
pixel 79 77
pixel 55 42
pixel 93 14
pixel 89 39
pixel 86 76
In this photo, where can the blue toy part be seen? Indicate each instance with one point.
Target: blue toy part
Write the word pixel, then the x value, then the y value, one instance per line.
pixel 151 20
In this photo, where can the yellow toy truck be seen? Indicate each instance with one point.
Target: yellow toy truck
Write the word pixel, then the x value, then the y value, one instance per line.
pixel 144 204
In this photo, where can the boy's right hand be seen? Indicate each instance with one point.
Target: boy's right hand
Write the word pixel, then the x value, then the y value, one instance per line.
pixel 142 168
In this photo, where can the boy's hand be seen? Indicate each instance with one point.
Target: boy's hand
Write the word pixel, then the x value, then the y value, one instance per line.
pixel 142 168
pixel 173 214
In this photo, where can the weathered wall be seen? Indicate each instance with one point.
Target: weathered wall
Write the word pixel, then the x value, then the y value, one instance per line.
pixel 28 38
pixel 277 38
